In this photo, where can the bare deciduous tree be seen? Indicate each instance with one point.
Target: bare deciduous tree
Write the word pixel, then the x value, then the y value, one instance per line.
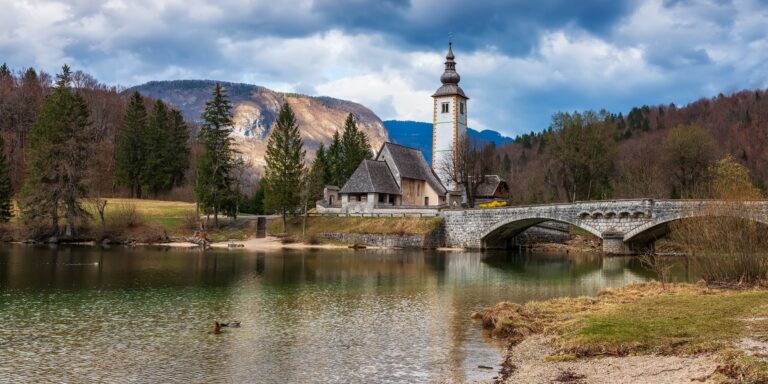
pixel 466 168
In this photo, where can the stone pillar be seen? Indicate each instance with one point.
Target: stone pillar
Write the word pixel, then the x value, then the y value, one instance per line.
pixel 613 244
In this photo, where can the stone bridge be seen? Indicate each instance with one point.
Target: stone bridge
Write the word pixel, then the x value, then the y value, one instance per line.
pixel 625 226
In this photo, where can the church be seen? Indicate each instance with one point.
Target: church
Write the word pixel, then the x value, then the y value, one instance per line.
pixel 399 177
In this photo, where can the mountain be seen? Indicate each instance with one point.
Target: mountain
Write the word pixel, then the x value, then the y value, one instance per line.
pixel 419 135
pixel 255 109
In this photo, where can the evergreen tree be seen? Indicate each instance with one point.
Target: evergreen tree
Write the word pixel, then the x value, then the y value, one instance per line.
pixel 214 165
pixel 6 190
pixel 177 154
pixel 322 163
pixel 285 165
pixel 354 146
pixel 335 162
pixel 5 72
pixel 156 147
pixel 318 175
pixel 131 149
pixel 59 146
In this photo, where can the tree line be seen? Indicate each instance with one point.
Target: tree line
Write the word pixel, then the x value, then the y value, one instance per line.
pixel 75 138
pixel 657 152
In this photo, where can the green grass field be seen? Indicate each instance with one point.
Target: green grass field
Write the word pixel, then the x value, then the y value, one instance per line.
pixel 382 225
pixel 170 215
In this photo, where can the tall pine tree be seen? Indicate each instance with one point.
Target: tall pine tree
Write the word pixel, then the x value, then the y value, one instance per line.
pixel 335 162
pixel 6 190
pixel 156 147
pixel 285 165
pixel 59 150
pixel 214 166
pixel 131 149
pixel 177 155
pixel 354 149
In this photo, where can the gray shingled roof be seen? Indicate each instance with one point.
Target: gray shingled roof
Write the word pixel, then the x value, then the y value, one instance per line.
pixel 449 90
pixel 410 163
pixel 488 186
pixel 372 176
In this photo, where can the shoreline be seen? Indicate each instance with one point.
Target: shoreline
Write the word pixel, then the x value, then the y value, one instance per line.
pixel 640 333
pixel 272 243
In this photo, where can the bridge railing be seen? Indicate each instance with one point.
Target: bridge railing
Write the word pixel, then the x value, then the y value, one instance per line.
pixel 603 202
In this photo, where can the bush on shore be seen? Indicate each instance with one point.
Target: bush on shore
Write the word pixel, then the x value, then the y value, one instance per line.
pixel 725 242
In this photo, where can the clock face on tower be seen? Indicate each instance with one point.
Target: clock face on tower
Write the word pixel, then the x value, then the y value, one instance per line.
pixel 449 127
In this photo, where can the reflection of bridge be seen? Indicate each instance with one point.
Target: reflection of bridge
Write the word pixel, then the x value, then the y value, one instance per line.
pixel 625 226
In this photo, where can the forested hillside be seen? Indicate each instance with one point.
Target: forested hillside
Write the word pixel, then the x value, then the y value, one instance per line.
pixel 661 151
pixel 22 94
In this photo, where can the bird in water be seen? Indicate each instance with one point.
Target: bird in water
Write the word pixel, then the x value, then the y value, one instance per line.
pixel 231 324
pixel 217 326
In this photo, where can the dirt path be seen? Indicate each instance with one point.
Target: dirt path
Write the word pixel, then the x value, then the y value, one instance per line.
pixel 530 367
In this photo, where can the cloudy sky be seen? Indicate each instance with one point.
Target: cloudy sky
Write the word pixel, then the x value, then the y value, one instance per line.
pixel 520 61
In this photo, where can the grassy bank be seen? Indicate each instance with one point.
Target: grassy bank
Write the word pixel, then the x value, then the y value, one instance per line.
pixel 363 225
pixel 170 215
pixel 646 319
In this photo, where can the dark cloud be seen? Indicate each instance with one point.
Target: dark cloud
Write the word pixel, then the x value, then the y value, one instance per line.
pixel 520 60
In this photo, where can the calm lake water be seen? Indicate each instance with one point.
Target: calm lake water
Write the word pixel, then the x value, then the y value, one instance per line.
pixel 86 314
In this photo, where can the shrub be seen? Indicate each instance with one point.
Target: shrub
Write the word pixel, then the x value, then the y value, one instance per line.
pixel 192 221
pixel 123 216
pixel 493 204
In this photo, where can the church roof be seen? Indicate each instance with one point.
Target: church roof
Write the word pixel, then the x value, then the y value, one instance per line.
pixel 489 186
pixel 450 78
pixel 411 164
pixel 371 177
pixel 450 90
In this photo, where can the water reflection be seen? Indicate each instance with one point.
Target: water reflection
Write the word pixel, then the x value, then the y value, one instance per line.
pixel 143 314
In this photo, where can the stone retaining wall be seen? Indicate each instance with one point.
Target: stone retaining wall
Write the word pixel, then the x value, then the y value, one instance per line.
pixel 387 240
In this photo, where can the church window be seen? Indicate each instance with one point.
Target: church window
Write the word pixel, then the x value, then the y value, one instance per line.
pixel 461 108
pixel 445 108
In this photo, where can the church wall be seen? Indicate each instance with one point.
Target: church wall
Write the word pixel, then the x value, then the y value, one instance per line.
pixel 449 129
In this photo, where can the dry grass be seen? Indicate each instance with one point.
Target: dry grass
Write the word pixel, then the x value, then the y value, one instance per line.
pixel 381 225
pixel 641 319
pixel 171 215
pixel 726 249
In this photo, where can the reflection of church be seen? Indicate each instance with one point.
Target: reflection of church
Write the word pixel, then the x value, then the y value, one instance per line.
pixel 400 178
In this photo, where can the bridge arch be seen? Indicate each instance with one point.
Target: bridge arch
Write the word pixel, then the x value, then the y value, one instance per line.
pixel 658 224
pixel 507 228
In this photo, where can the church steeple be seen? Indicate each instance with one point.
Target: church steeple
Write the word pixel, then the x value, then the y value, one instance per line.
pixel 450 76
pixel 449 126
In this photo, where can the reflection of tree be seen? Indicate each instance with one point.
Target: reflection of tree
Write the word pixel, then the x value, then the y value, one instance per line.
pixel 527 266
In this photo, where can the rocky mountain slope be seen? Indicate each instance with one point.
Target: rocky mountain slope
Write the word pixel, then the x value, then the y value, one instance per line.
pixel 255 110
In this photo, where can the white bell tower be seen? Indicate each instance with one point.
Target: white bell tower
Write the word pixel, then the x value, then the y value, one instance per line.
pixel 449 123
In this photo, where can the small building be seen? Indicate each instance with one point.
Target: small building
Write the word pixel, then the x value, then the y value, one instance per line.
pixel 398 178
pixel 492 188
pixel 331 195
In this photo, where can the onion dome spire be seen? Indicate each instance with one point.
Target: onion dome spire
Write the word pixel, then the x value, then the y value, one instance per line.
pixel 450 76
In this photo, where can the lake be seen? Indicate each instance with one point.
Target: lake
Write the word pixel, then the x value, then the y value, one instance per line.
pixel 145 314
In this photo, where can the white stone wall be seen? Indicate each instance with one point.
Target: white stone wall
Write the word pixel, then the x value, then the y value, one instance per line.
pixel 447 128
